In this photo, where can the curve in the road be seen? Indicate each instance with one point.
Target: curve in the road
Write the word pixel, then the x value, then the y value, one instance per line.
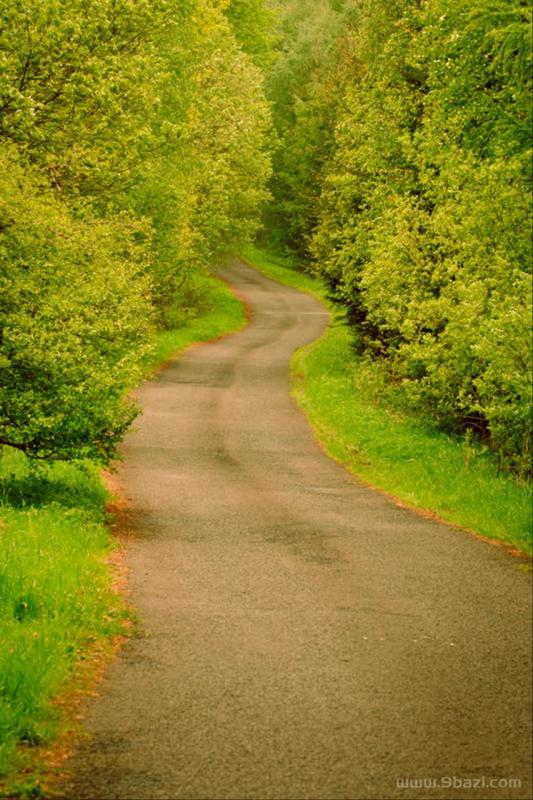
pixel 305 637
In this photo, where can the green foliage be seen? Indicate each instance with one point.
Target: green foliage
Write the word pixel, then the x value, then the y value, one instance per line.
pixel 204 189
pixel 134 139
pixel 422 226
pixel 303 86
pixel 76 82
pixel 206 311
pixel 74 315
pixel 253 25
pixel 228 128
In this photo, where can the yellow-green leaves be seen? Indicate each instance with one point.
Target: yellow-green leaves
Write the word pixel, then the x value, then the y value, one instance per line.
pixel 205 192
pixel 416 199
pixel 75 319
pixel 134 140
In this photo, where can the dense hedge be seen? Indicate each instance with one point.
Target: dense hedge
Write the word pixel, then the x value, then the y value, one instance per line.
pixel 418 197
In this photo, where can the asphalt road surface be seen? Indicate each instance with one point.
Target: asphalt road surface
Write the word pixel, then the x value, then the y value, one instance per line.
pixel 305 637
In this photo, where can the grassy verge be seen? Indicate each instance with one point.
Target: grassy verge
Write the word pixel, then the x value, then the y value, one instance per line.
pixel 57 601
pixel 283 269
pixel 56 598
pixel 346 403
pixel 212 311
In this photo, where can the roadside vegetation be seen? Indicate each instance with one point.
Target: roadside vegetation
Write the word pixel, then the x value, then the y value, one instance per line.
pixel 212 311
pixel 403 179
pixel 56 599
pixel 362 423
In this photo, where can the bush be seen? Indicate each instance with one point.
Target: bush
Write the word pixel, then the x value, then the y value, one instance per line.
pixel 74 322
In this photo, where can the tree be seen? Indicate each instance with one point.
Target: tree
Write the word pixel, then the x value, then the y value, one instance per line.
pixel 74 322
pixel 134 140
pixel 416 208
pixel 204 190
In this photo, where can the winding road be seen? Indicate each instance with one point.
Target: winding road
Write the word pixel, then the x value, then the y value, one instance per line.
pixel 305 637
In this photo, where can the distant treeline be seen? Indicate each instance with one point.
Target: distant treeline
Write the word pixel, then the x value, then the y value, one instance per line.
pixel 404 176
pixel 134 152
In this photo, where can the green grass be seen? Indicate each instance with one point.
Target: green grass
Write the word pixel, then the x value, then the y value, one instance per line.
pixel 213 312
pixel 282 268
pixel 348 405
pixel 55 592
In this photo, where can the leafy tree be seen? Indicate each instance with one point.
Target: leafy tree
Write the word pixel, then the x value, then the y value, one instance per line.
pixel 134 139
pixel 303 86
pixel 76 84
pixel 422 223
pixel 204 191
pixel 253 25
pixel 74 320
